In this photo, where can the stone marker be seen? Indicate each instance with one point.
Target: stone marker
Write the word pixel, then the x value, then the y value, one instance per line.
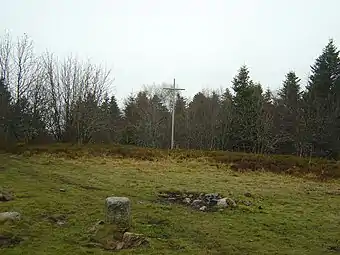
pixel 118 211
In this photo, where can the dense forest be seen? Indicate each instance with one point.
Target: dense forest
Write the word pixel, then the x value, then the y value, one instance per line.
pixel 44 99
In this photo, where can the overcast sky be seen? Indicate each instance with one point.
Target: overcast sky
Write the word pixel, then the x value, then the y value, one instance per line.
pixel 200 43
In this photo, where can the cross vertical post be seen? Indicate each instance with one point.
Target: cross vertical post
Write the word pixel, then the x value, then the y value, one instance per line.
pixel 173 89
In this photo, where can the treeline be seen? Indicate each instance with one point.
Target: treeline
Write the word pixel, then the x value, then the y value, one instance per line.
pixel 44 100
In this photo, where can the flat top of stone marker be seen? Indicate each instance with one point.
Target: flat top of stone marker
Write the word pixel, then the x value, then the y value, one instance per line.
pixel 117 200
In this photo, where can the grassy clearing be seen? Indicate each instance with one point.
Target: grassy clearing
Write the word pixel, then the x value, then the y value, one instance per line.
pixel 297 215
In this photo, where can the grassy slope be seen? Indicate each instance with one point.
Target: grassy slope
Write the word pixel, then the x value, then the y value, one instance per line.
pixel 297 216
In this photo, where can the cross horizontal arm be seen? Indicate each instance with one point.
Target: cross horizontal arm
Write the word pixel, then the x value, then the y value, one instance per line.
pixel 173 88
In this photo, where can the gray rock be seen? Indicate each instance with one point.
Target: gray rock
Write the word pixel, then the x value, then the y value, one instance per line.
pixel 211 199
pixel 62 190
pixel 118 211
pixel 9 216
pixel 58 219
pixel 164 195
pixel 132 240
pixel 4 196
pixel 212 196
pixel 187 200
pixel 248 194
pixel 247 203
pixel 7 241
pixel 203 208
pixel 222 203
pixel 231 202
pixel 226 202
pixel 61 223
pixel 197 203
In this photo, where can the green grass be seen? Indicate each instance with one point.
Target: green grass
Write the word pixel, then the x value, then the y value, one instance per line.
pixel 297 215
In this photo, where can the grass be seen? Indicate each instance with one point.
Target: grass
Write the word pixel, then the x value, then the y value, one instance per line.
pixel 298 215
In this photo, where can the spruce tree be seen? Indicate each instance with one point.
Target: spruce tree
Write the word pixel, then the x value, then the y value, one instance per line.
pixel 114 110
pixel 289 99
pixel 323 134
pixel 246 104
pixel 290 94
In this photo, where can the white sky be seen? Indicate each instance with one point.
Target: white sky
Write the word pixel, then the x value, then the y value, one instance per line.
pixel 202 43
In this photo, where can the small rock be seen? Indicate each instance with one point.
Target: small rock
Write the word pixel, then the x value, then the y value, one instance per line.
pixel 62 190
pixel 58 219
pixel 212 196
pixel 231 202
pixel 247 203
pixel 132 240
pixel 8 241
pixel 226 202
pixel 221 210
pixel 61 223
pixel 100 222
pixel 197 203
pixel 222 203
pixel 203 208
pixel 211 199
pixel 164 195
pixel 248 194
pixel 119 246
pixel 112 245
pixel 172 199
pixel 191 196
pixel 9 216
pixel 4 196
pixel 187 200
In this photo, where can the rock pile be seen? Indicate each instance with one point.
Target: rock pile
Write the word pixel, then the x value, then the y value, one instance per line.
pixel 199 201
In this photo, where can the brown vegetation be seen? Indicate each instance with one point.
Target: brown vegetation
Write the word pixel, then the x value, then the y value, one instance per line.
pixel 286 164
